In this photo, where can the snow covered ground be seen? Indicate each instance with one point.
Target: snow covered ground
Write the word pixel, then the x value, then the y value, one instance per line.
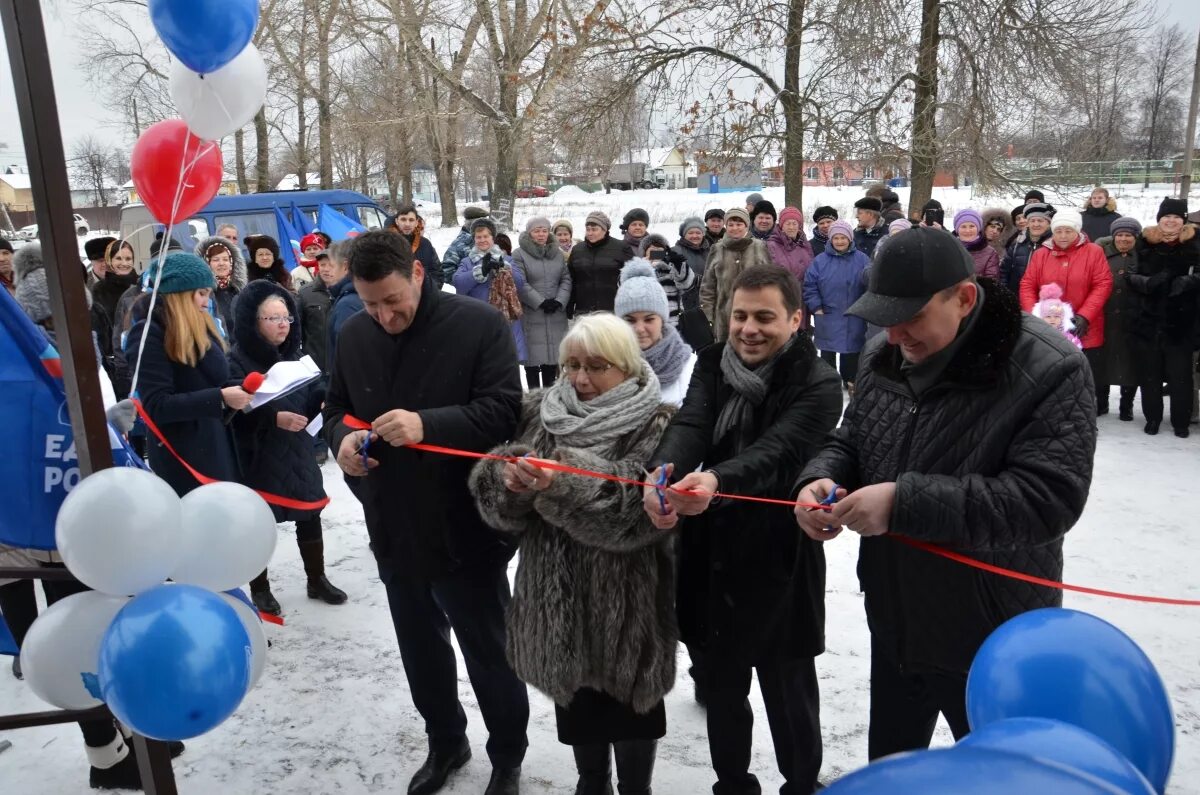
pixel 333 713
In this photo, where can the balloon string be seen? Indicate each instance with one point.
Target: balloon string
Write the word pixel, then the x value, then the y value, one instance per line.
pixel 356 424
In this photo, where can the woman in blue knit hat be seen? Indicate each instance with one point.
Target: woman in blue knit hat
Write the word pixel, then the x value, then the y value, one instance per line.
pixel 184 374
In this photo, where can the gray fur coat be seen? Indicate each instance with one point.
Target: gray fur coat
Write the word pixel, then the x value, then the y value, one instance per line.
pixel 594 600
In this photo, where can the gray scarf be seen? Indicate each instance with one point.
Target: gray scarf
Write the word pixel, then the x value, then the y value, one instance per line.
pixel 749 390
pixel 598 424
pixel 668 356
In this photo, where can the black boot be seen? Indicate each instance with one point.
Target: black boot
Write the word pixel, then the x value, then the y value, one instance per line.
pixel 1151 428
pixel 1101 408
pixel 437 768
pixel 504 781
pixel 319 586
pixel 635 766
pixel 17 667
pixel 260 594
pixel 595 769
pixel 1183 432
pixel 1126 405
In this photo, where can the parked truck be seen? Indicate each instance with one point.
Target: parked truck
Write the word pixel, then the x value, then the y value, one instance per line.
pixel 627 176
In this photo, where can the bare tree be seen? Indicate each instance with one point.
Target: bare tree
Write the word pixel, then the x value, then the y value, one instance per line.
pixel 1161 108
pixel 92 165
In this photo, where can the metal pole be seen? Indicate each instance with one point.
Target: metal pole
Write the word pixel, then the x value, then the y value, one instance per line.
pixel 25 37
pixel 1185 183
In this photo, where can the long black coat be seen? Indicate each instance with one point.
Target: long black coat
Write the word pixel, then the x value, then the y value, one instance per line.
pixel 313 314
pixel 456 366
pixel 185 404
pixel 751 586
pixel 994 462
pixel 595 271
pixel 273 460
pixel 1167 286
pixel 1119 312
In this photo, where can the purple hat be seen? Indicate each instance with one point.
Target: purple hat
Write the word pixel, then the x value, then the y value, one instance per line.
pixel 899 225
pixel 841 228
pixel 970 215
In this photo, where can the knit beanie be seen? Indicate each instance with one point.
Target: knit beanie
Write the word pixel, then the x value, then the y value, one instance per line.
pixel 899 225
pixel 312 239
pixel 1067 216
pixel 1039 211
pixel 639 290
pixel 823 212
pixel 764 207
pixel 5 245
pixel 598 218
pixel 483 223
pixel 841 228
pixel 538 221
pixel 563 222
pixel 183 273
pixel 1125 224
pixel 932 204
pixel 691 222
pixel 791 214
pixel 30 276
pixel 715 212
pixel 1171 206
pixel 869 203
pixel 737 213
pixel 754 198
pixel 971 216
pixel 1035 196
pixel 636 214
pixel 172 245
pixel 471 213
pixel 652 240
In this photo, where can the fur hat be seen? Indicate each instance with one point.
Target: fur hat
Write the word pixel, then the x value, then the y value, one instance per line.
pixel 639 290
pixel 791 214
pixel 1067 216
pixel 1171 206
pixel 869 203
pixel 183 273
pixel 899 225
pixel 32 293
pixel 691 222
pixel 841 228
pixel 536 222
pixel 652 240
pixel 764 207
pixel 238 277
pixel 560 223
pixel 968 215
pixel 471 213
pixel 822 212
pixel 636 214
pixel 483 223
pixel 598 218
pixel 1125 224
pixel 739 214
pixel 255 242
pixel 1017 212
pixel 94 249
pixel 715 212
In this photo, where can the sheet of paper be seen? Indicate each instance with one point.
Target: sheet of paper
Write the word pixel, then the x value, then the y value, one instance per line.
pixel 283 378
pixel 314 427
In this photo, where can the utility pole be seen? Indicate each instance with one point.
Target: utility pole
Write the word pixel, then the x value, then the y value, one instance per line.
pixel 1185 183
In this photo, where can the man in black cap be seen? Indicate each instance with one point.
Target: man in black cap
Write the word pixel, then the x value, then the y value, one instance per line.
pixel 94 250
pixel 871 228
pixel 972 429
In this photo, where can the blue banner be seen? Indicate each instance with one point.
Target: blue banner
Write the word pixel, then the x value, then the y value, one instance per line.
pixel 289 242
pixel 336 225
pixel 301 222
pixel 39 466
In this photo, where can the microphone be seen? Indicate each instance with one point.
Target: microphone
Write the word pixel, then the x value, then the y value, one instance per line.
pixel 250 384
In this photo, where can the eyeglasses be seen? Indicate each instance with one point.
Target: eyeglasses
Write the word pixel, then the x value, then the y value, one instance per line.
pixel 279 319
pixel 592 370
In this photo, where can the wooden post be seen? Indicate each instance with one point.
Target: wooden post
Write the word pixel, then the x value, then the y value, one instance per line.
pixel 25 37
pixel 1189 148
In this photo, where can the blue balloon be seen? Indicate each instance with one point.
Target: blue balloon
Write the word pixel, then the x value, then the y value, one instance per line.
pixel 205 34
pixel 240 595
pixel 1073 667
pixel 175 662
pixel 1061 743
pixel 979 771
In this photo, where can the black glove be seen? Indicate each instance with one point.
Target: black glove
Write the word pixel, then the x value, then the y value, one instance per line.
pixel 1081 326
pixel 550 306
pixel 1181 285
pixel 489 264
pixel 675 258
pixel 1159 283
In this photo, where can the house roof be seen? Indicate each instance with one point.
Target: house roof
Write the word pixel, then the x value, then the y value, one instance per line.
pixel 17 181
pixel 652 158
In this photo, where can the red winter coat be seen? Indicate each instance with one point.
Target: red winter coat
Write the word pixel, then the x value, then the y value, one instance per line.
pixel 1081 270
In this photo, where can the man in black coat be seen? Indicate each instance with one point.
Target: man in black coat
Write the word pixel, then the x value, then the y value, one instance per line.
pixel 751 589
pixel 972 428
pixel 420 365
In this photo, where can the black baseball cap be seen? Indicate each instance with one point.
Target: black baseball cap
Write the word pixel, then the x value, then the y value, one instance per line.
pixel 910 268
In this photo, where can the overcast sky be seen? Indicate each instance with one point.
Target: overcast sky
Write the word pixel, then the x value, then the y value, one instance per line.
pixel 81 113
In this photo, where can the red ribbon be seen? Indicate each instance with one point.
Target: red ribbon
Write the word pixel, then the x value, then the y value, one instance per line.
pixel 204 480
pixel 357 424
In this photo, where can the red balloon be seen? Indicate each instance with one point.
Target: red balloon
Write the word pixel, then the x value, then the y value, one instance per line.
pixel 164 152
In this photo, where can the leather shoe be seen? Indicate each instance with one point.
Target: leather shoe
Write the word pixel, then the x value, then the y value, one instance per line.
pixel 504 781
pixel 438 767
pixel 1152 428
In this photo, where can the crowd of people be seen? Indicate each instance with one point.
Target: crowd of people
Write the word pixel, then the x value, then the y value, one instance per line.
pixel 717 365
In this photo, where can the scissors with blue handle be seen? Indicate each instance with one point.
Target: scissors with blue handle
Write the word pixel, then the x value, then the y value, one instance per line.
pixel 831 500
pixel 364 451
pixel 661 486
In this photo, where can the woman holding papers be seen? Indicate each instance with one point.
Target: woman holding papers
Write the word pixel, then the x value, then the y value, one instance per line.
pixel 184 375
pixel 272 446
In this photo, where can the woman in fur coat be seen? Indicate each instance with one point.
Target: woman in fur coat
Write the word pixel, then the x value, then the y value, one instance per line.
pixel 592 619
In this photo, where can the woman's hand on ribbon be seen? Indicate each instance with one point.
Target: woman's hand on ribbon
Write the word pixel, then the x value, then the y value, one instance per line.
pixel 525 475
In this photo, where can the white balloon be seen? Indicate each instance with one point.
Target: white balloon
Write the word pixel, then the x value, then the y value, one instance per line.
pixel 222 102
pixel 118 531
pixel 227 537
pixel 64 644
pixel 258 637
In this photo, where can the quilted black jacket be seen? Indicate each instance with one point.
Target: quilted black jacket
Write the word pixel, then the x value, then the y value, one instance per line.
pixel 271 459
pixel 995 461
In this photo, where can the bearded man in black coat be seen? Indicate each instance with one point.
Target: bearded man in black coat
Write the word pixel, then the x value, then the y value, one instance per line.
pixel 973 428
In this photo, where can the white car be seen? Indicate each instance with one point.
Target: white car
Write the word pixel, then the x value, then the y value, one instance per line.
pixel 31 232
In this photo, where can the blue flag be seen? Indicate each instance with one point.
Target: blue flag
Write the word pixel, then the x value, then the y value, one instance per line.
pixel 39 465
pixel 8 644
pixel 300 221
pixel 289 242
pixel 336 225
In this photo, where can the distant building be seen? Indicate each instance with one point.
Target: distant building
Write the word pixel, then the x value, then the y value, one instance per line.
pixel 665 167
pixel 16 192
pixel 728 172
